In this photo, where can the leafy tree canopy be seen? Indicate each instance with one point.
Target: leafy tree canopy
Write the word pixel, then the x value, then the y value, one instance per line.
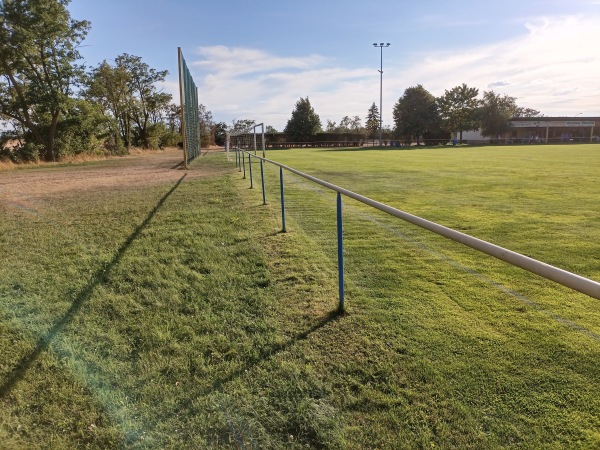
pixel 109 86
pixel 526 112
pixel 219 130
pixel 373 121
pixel 496 111
pixel 128 92
pixel 38 70
pixel 416 112
pixel 347 125
pixel 458 109
pixel 304 122
pixel 147 103
pixel 242 124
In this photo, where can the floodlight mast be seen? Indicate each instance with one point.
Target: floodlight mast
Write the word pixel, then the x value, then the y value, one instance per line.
pixel 381 46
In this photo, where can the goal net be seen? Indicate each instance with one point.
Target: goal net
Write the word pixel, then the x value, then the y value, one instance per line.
pixel 251 139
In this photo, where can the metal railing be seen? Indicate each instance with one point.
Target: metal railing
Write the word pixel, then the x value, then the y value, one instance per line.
pixel 560 276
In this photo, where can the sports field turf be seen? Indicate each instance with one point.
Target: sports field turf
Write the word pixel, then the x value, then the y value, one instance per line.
pixel 174 314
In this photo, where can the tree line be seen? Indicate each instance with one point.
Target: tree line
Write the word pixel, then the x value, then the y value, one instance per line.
pixel 51 105
pixel 418 113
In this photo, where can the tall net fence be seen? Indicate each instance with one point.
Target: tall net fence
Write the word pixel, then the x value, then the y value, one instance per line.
pixel 190 120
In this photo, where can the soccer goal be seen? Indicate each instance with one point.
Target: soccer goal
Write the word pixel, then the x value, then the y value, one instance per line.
pixel 249 139
pixel 190 119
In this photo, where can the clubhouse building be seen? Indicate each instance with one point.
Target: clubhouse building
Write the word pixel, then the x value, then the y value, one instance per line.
pixel 544 130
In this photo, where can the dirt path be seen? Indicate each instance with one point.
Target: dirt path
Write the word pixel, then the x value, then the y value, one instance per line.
pixel 141 170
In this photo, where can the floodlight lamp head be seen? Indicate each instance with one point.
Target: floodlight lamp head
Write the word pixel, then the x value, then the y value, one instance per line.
pixel 388 44
pixel 381 44
pixel 374 45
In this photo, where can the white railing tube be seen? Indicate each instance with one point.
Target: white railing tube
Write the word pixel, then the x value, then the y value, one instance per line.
pixel 560 276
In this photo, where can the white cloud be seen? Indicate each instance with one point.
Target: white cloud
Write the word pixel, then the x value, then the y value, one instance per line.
pixel 247 83
pixel 240 61
pixel 551 67
pixel 567 92
pixel 554 56
pixel 497 84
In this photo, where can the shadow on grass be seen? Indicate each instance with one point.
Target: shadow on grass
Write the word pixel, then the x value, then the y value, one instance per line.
pixel 389 149
pixel 266 353
pixel 99 278
pixel 269 352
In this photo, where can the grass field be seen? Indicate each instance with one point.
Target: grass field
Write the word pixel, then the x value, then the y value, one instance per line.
pixel 175 315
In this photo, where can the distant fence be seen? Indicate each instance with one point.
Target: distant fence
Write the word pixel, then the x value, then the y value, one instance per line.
pixel 328 140
pixel 560 276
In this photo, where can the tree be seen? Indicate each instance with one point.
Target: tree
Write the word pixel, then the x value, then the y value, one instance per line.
pixel 356 124
pixel 495 112
pixel 242 124
pixel 270 129
pixel 109 87
pixel 171 135
pixel 416 112
pixel 147 102
pixel 372 123
pixel 38 70
pixel 128 93
pixel 220 133
pixel 527 112
pixel 84 127
pixel 345 124
pixel 458 109
pixel 173 118
pixel 304 122
pixel 206 126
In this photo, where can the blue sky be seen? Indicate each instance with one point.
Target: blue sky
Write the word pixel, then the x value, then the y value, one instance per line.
pixel 254 60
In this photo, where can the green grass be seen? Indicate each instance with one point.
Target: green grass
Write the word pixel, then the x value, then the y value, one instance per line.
pixel 177 316
pixel 515 354
pixel 147 318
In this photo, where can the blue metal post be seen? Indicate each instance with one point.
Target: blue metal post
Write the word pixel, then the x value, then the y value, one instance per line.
pixel 262 181
pixel 340 251
pixel 243 163
pixel 283 229
pixel 250 166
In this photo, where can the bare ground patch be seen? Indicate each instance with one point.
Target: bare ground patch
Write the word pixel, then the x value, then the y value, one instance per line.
pixel 18 186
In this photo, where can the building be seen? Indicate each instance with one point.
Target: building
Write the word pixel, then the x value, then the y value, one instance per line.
pixel 545 130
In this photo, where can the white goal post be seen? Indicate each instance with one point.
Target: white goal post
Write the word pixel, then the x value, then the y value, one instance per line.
pixel 250 139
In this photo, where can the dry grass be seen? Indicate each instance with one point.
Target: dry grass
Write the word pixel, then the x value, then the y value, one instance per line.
pixel 6 165
pixel 82 158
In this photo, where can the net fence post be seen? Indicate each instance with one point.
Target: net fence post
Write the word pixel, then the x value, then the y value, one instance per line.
pixel 181 100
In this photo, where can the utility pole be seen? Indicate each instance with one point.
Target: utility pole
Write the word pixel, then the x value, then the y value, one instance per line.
pixel 381 46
